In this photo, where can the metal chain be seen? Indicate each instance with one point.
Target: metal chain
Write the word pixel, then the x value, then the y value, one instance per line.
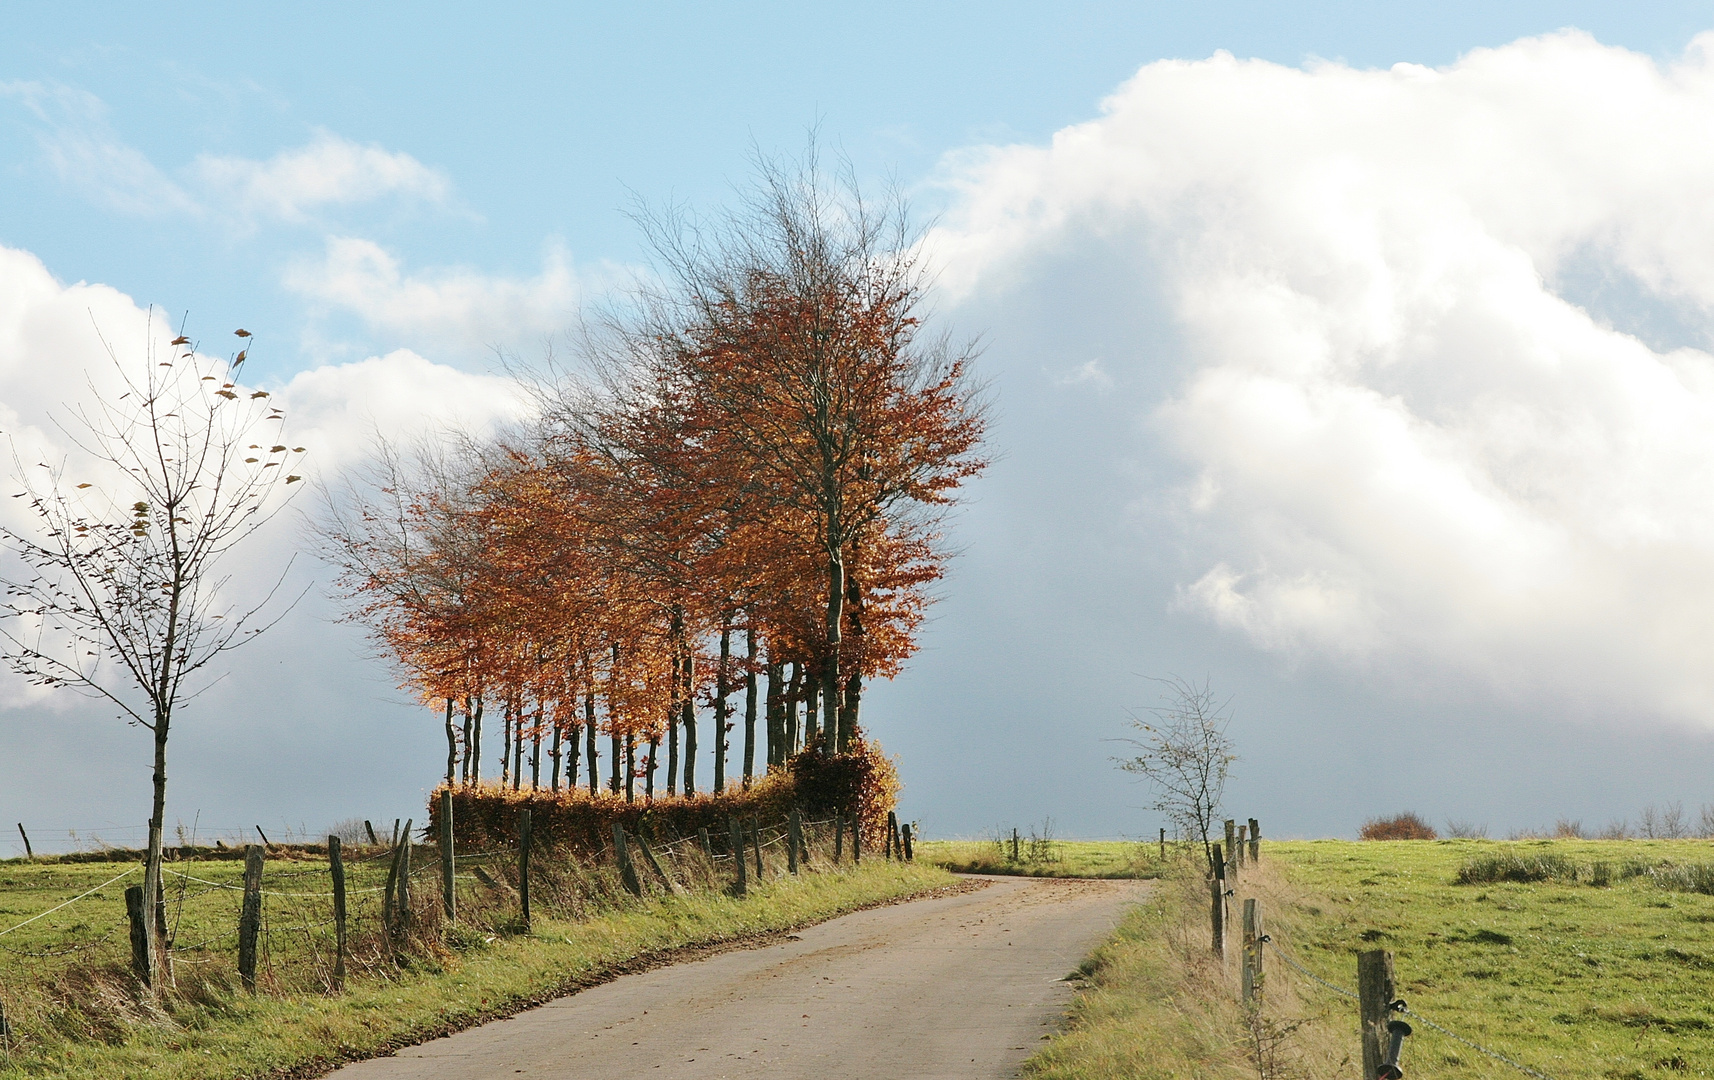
pixel 1408 1011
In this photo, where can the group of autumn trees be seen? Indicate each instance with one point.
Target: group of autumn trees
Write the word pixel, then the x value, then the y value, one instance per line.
pixel 737 487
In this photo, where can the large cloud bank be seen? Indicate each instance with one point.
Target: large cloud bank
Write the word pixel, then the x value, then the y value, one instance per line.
pixel 1433 351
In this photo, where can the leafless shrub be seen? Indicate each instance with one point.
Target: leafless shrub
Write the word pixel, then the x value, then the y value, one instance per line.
pixel 1406 826
pixel 1568 829
pixel 1186 757
pixel 1617 829
pixel 1705 822
pixel 1466 830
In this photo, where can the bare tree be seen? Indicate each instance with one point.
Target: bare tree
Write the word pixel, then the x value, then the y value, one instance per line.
pixel 1186 757
pixel 117 589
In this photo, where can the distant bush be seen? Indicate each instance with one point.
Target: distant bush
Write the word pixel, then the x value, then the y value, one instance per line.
pixel 1521 868
pixel 1527 869
pixel 1399 827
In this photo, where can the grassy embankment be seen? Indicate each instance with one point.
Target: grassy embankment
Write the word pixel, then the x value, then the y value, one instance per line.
pixel 1046 858
pixel 76 1012
pixel 1580 959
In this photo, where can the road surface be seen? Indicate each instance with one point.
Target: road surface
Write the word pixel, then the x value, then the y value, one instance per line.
pixel 962 986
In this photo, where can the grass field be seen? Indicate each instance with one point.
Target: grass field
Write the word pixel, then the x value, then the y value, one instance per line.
pixel 76 1012
pixel 1049 858
pixel 1600 967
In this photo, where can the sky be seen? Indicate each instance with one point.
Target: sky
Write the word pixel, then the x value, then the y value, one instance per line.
pixel 1350 357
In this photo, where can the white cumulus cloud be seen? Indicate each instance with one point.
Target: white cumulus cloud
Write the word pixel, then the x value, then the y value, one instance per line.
pixel 328 171
pixel 1432 353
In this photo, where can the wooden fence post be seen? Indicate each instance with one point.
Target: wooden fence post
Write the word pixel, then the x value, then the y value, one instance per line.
pixel 250 916
pixel 1163 843
pixel 448 898
pixel 404 912
pixel 140 959
pixel 905 833
pixel 1231 855
pixel 1255 841
pixel 1251 982
pixel 707 848
pixel 892 828
pixel 1015 856
pixel 28 854
pixel 627 869
pixel 1238 848
pixel 655 865
pixel 794 838
pixel 370 829
pixel 336 867
pixel 739 885
pixel 1217 886
pixel 1375 996
pixel 524 867
pixel 856 840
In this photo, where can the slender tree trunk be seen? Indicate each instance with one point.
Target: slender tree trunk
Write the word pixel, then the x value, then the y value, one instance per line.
pixel 451 745
pixel 616 747
pixel 152 867
pixel 775 712
pixel 517 743
pixel 672 730
pixel 687 705
pixel 571 750
pixel 506 741
pixel 649 768
pixel 464 769
pixel 830 664
pixel 749 700
pixel 630 766
pixel 553 751
pixel 722 687
pixel 616 743
pixel 536 752
pixel 794 691
pixel 811 709
pixel 853 704
pixel 476 744
pixel 592 762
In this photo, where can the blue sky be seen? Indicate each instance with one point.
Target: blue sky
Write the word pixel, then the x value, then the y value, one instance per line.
pixel 412 187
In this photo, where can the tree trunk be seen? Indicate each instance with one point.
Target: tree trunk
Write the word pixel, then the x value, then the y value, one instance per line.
pixel 152 867
pixel 749 700
pixel 517 743
pixel 672 731
pixel 630 766
pixel 593 759
pixel 553 751
pixel 615 744
pixel 476 745
pixel 722 687
pixel 464 768
pixel 687 704
pixel 811 709
pixel 853 703
pixel 775 712
pixel 794 691
pixel 506 741
pixel 536 752
pixel 571 750
pixel 649 768
pixel 830 664
pixel 451 745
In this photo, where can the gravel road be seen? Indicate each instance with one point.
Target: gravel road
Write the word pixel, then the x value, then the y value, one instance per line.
pixel 962 986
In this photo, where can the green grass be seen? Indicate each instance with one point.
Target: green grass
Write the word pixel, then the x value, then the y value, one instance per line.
pixel 1049 858
pixel 1580 959
pixel 77 1015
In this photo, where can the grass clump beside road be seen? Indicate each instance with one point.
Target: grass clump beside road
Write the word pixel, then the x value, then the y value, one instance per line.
pixel 1579 959
pixel 1046 858
pixel 87 1021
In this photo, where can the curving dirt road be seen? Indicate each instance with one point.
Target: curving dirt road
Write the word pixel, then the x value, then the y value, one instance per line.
pixel 963 986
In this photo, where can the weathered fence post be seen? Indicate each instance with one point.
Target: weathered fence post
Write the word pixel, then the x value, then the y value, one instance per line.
pixel 370 829
pixel 627 869
pixel 1231 855
pixel 702 837
pixel 892 828
pixel 1375 997
pixel 28 854
pixel 336 867
pixel 1015 857
pixel 794 838
pixel 1163 844
pixel 140 958
pixel 905 832
pixel 250 916
pixel 1255 841
pixel 654 864
pixel 838 838
pixel 1238 848
pixel 448 898
pixel 739 885
pixel 1251 982
pixel 1217 885
pixel 524 867
pixel 404 912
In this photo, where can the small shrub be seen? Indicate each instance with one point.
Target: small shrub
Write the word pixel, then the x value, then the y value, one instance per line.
pixel 1520 868
pixel 1406 826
